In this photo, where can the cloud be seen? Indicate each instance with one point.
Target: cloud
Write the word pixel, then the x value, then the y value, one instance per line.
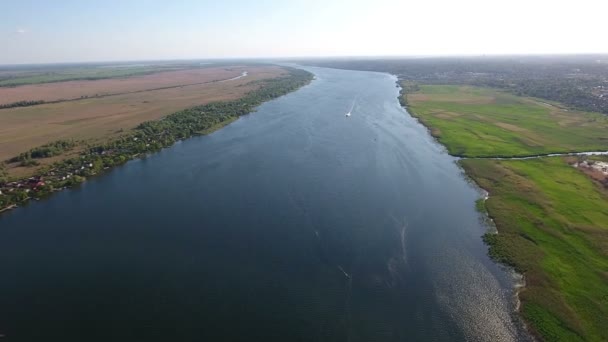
pixel 21 31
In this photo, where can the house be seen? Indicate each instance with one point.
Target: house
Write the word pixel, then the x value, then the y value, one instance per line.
pixel 35 182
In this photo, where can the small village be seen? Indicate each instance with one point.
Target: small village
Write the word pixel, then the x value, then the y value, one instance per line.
pixel 59 177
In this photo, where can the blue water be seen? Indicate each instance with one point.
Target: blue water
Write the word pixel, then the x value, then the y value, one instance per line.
pixel 294 223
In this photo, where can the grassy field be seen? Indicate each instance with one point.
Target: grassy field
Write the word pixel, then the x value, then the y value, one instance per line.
pixel 553 227
pixel 482 122
pixel 97 119
pixel 18 78
pixel 552 217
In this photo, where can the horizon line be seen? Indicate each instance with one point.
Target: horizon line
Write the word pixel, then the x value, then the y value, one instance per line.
pixel 268 58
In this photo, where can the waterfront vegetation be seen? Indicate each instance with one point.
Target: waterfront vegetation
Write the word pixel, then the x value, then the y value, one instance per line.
pixel 553 227
pixel 552 218
pixel 146 138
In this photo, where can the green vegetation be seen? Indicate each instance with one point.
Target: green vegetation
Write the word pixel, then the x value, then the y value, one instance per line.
pixel 45 151
pixel 407 87
pixel 148 137
pixel 21 104
pixel 480 205
pixel 217 126
pixel 3 174
pixel 482 122
pixel 553 227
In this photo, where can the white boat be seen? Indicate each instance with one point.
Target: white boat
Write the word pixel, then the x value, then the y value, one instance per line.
pixel 351 110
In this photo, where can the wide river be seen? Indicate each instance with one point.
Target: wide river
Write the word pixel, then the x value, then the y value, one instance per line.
pixel 294 223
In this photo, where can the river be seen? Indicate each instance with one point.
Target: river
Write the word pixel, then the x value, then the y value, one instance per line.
pixel 294 223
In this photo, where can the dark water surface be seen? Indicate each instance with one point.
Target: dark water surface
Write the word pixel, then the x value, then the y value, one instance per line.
pixel 294 223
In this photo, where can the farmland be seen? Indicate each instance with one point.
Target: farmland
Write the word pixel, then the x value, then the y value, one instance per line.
pixel 69 90
pixel 18 76
pixel 98 119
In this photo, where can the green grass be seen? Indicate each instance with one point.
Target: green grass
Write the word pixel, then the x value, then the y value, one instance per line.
pixel 480 205
pixel 553 227
pixel 483 122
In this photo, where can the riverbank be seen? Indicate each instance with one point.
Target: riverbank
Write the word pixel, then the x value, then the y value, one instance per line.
pixel 146 138
pixel 105 109
pixel 10 207
pixel 218 125
pixel 551 217
pixel 569 154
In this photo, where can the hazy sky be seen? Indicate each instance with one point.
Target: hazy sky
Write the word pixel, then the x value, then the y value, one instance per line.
pixel 33 31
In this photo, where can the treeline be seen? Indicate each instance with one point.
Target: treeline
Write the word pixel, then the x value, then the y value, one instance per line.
pixel 3 175
pixel 577 81
pixel 407 87
pixel 20 104
pixel 572 92
pixel 146 138
pixel 45 151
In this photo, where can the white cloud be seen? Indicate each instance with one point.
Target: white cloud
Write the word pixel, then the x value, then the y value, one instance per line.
pixel 21 31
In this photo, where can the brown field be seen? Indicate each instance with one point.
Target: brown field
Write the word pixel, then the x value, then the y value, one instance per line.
pixel 97 119
pixel 76 89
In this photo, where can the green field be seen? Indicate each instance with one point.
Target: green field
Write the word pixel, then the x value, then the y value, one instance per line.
pixel 482 122
pixel 552 218
pixel 553 227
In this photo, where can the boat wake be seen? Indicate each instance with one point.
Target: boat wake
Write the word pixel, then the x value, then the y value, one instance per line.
pixel 348 114
pixel 343 271
pixel 402 226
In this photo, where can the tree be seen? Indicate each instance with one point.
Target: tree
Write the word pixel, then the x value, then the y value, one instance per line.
pixel 3 174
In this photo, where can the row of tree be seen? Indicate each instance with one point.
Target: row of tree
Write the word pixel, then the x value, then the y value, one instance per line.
pixel 45 151
pixel 20 104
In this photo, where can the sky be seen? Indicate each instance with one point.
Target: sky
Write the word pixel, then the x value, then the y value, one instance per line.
pixel 43 31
